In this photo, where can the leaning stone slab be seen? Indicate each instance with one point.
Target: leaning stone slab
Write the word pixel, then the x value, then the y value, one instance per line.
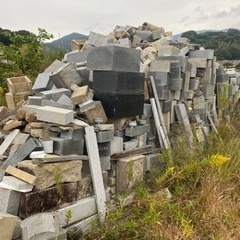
pixel 82 209
pixel 42 82
pixel 8 223
pixel 69 171
pixel 22 152
pixel 55 115
pixel 39 224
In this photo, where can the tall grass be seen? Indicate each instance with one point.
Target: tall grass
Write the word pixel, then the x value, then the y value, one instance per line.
pixel 204 183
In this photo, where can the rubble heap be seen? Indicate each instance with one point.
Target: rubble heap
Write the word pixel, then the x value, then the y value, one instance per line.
pixel 86 128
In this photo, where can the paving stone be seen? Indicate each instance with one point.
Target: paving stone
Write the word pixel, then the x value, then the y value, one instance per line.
pixel 137 130
pixel 42 83
pixel 116 145
pixel 121 105
pixel 66 76
pixel 8 223
pixel 22 152
pixel 55 115
pixel 16 184
pixel 70 171
pixel 129 172
pixel 208 54
pixel 118 82
pixel 48 200
pixel 68 146
pixel 9 200
pixel 114 58
pixel 39 224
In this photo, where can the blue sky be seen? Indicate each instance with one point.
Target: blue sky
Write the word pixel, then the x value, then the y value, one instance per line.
pixel 61 17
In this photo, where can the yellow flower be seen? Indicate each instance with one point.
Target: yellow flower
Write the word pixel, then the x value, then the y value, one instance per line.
pixel 218 160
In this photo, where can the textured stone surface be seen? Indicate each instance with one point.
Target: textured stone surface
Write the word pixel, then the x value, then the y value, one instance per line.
pixel 8 223
pixel 42 82
pixel 47 200
pixel 129 172
pixel 114 58
pixel 69 171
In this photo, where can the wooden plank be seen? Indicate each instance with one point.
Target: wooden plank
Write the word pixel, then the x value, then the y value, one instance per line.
pixel 159 109
pixel 96 172
pixel 29 178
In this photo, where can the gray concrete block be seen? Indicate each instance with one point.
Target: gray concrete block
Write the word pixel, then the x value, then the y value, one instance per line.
pixel 51 103
pixel 175 72
pixel 116 145
pixel 176 61
pixel 56 94
pixel 42 223
pixel 73 133
pixel 160 78
pixel 104 136
pixel 9 200
pixel 198 62
pixel 35 100
pixel 114 58
pixel 208 90
pixel 65 100
pixel 97 39
pixel 104 149
pixel 138 130
pixel 42 82
pixel 168 51
pixel 147 111
pixel 144 35
pixel 208 54
pixel 22 152
pixel 194 83
pixel 105 163
pixel 55 115
pixel 175 84
pixel 66 76
pixel 207 78
pixel 154 162
pixel 78 56
pixel 68 146
pixel 130 145
pixel 54 66
pixel 47 146
pixel 160 66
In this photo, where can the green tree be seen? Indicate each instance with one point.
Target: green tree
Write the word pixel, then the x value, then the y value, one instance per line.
pixel 24 56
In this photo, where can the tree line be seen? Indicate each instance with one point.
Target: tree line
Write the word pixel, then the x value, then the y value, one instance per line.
pixel 226 45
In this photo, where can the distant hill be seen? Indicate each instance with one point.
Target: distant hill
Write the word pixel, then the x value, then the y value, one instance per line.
pixel 65 41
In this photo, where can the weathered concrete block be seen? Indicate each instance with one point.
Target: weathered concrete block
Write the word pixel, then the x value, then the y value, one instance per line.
pixel 51 103
pixel 160 78
pixel 55 115
pixel 68 146
pixel 41 223
pixel 69 171
pixel 198 62
pixel 130 145
pixel 175 84
pixel 81 95
pixel 22 152
pixel 114 58
pixel 97 39
pixel 35 100
pixel 168 51
pixel 9 200
pixel 42 83
pixel 105 163
pixel 56 93
pixel 19 86
pixel 118 82
pixel 160 66
pixel 78 56
pixel 208 54
pixel 17 184
pixel 104 136
pixel 145 35
pixel 129 172
pixel 66 76
pixel 48 200
pixel 116 145
pixel 97 112
pixel 153 161
pixel 73 133
pixel 137 130
pixel 54 66
pixel 8 223
pixel 193 84
pixel 104 149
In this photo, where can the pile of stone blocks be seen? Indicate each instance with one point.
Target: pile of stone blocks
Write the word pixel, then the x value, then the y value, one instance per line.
pixel 45 171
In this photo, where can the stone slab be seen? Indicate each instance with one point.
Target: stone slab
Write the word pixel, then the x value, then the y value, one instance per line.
pixel 114 58
pixel 22 152
pixel 69 171
pixel 55 94
pixel 16 184
pixel 55 115
pixel 42 83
